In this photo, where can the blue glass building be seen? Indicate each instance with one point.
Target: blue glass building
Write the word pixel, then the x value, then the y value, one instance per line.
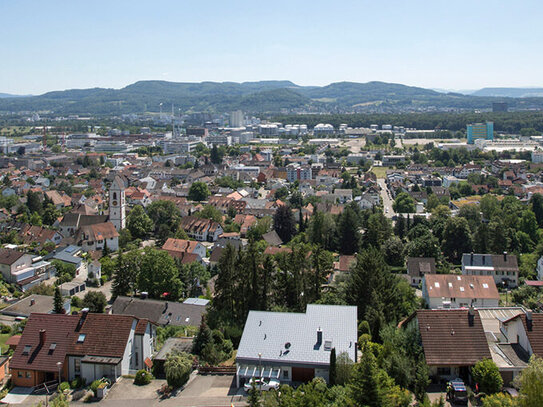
pixel 480 130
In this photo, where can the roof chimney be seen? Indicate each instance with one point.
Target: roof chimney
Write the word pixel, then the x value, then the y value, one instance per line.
pixel 471 316
pixel 319 336
pixel 505 256
pixel 42 337
pixel 32 302
pixel 471 259
pixel 529 320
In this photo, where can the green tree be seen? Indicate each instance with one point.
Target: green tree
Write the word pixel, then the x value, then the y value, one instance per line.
pixel 528 225
pixel 95 301
pixel 121 277
pixel 404 203
pixel 178 367
pixel 139 223
pixel 166 218
pixel 536 202
pixel 254 396
pixel 58 302
pixel 364 386
pixel 530 383
pixel 284 223
pixel 348 231
pixel 487 374
pixel 333 368
pixel 158 274
pixel 215 155
pixel 344 369
pixel 33 202
pixel 456 239
pixel 198 191
pixel 210 212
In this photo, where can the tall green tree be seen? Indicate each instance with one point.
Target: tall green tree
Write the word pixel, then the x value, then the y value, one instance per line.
pixel 536 202
pixel 158 275
pixel 166 218
pixel 284 223
pixel 95 301
pixel 121 277
pixel 139 223
pixel 58 302
pixel 456 239
pixel 198 191
pixel 364 386
pixel 348 231
pixel 333 368
pixel 530 383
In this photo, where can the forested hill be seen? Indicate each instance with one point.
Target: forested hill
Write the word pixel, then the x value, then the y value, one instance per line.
pixel 254 97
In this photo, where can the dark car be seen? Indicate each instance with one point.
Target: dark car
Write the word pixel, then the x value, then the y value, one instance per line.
pixel 457 392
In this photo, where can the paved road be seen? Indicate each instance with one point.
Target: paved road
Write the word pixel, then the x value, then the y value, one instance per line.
pixel 387 199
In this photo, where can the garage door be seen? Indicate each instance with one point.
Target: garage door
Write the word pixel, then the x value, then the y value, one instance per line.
pixel 302 374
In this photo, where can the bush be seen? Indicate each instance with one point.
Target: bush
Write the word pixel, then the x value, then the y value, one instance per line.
pixel 77 383
pixel 94 386
pixel 487 374
pixel 6 329
pixel 64 386
pixel 76 302
pixel 178 367
pixel 142 378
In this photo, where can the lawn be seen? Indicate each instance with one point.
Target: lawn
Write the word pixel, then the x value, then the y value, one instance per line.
pixel 380 172
pixel 3 339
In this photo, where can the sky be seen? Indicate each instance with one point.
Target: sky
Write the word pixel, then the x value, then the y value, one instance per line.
pixel 55 45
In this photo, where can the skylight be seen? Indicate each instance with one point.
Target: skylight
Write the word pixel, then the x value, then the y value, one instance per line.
pixel 485 285
pixel 26 349
pixel 53 346
pixel 327 345
pixel 462 289
pixel 81 338
pixel 436 284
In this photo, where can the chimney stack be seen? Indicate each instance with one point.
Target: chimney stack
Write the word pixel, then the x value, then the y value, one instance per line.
pixel 471 316
pixel 529 320
pixel 319 336
pixel 471 259
pixel 32 302
pixel 505 256
pixel 42 337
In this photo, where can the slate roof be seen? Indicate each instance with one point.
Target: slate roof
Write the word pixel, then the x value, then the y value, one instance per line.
pixel 32 304
pixel 418 266
pixel 269 333
pixel 160 312
pixel 448 339
pixel 502 262
pixel 272 238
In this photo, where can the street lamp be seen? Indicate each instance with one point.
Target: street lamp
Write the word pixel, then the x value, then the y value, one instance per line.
pixel 59 365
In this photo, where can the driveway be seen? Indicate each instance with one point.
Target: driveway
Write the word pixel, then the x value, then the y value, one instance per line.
pixel 125 388
pixel 105 289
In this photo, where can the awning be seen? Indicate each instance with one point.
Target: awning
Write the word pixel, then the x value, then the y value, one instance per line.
pixel 102 360
pixel 272 372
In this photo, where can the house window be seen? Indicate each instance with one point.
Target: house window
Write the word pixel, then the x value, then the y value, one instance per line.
pixel 28 375
pixel 285 374
pixel 19 374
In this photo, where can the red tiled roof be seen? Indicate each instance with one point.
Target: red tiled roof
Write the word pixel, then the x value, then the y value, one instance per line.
pixel 179 245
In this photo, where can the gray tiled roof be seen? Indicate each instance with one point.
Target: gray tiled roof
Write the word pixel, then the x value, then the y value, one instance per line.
pixel 498 261
pixel 268 333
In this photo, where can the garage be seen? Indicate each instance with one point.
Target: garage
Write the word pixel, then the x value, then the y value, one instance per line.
pixel 302 374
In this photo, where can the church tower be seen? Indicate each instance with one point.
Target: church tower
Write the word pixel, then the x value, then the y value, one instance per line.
pixel 117 203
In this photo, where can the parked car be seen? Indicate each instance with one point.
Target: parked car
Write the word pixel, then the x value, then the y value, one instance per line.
pixel 262 384
pixel 457 392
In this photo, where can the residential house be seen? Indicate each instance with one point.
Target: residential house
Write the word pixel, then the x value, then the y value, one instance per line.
pixel 417 267
pixel 162 313
pixel 186 250
pixel 98 236
pixel 201 229
pixel 455 291
pixel 295 347
pixel 503 268
pixel 90 346
pixel 453 341
pixel 34 303
pixel 23 269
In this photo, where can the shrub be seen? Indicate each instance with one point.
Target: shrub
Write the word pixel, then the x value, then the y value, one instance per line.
pixel 487 374
pixel 94 387
pixel 178 367
pixel 6 329
pixel 77 383
pixel 64 386
pixel 76 302
pixel 142 378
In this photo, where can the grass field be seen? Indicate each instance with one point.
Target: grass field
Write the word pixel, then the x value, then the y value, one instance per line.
pixel 3 339
pixel 380 172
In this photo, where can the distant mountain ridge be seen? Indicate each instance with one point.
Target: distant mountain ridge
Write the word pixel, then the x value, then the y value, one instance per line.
pixel 254 97
pixel 509 92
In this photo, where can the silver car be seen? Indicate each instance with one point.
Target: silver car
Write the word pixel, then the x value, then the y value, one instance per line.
pixel 261 384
